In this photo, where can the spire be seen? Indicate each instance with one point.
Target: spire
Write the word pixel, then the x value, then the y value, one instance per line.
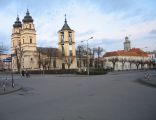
pixel 65 26
pixel 17 19
pixel 65 21
pixel 126 38
pixel 27 12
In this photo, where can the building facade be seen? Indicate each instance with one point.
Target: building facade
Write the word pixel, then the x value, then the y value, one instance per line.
pixel 127 59
pixel 23 44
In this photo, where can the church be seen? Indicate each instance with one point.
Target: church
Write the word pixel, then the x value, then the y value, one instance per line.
pixel 27 56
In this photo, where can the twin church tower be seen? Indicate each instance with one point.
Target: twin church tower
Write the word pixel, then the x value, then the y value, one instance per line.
pixel 25 50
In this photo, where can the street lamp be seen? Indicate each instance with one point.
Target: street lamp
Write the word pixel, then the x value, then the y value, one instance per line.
pixel 87 55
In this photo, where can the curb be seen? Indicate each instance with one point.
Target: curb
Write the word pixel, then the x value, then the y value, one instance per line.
pixel 12 91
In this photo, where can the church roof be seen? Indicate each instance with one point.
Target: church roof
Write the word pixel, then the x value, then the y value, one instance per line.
pixel 65 26
pixel 17 23
pixel 53 52
pixel 126 39
pixel 135 52
pixel 27 18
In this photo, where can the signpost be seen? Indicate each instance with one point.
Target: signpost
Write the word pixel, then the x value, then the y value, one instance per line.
pixel 9 59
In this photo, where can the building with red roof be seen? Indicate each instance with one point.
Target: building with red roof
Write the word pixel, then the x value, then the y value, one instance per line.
pixel 134 58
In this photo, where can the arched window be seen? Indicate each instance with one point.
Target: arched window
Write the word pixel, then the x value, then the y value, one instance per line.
pixel 30 40
pixel 30 26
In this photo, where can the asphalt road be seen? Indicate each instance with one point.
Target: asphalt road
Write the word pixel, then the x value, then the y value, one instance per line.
pixel 115 96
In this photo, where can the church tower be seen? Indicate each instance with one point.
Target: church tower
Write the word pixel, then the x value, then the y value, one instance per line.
pixel 127 44
pixel 23 46
pixel 28 42
pixel 16 34
pixel 15 41
pixel 66 44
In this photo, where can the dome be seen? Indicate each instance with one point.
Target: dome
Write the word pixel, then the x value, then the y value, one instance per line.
pixel 126 38
pixel 17 23
pixel 27 18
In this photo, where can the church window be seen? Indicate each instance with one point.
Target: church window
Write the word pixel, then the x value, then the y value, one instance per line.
pixel 30 26
pixel 30 40
pixel 31 59
pixel 62 38
pixel 13 43
pixel 70 38
pixel 23 40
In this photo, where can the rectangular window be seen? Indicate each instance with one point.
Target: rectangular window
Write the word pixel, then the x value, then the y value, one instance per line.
pixel 70 38
pixel 62 39
pixel 30 40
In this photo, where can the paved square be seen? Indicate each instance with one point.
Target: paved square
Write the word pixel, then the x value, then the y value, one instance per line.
pixel 115 96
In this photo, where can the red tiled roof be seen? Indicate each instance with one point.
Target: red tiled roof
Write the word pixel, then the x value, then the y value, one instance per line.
pixel 131 52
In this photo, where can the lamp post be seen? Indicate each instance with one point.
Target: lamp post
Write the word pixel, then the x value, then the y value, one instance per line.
pixel 87 55
pixel 12 74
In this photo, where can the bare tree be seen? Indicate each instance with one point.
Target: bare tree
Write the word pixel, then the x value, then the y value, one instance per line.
pixel 123 60
pixel 80 53
pixel 113 60
pixel 99 51
pixel 137 63
pixel 57 54
pixel 19 53
pixel 39 57
pixel 49 57
pixel 131 61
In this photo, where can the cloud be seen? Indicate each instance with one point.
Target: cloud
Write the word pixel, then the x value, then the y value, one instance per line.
pixel 153 32
pixel 107 21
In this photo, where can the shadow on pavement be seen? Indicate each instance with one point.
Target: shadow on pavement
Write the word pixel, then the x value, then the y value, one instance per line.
pixel 146 83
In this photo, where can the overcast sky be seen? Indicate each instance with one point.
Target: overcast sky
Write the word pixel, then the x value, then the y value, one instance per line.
pixel 108 21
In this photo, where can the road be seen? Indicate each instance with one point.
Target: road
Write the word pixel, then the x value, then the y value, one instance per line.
pixel 115 96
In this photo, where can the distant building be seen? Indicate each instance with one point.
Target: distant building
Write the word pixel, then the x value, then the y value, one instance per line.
pixel 4 63
pixel 127 44
pixel 127 59
pixel 152 56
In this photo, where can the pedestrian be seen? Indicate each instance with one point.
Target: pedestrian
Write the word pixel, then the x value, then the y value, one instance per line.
pixel 27 74
pixel 23 73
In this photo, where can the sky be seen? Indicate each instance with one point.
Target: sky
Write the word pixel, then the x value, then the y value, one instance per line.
pixel 107 21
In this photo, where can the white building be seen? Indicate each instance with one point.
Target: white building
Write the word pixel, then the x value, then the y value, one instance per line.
pixel 125 60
